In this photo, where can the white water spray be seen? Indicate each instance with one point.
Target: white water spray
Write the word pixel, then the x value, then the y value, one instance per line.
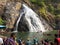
pixel 34 23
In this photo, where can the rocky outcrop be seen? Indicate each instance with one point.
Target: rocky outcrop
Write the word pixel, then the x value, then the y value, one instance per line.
pixel 11 10
pixel 2 5
pixel 11 13
pixel 23 25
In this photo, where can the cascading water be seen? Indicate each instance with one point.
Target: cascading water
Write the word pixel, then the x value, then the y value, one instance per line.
pixel 21 14
pixel 34 23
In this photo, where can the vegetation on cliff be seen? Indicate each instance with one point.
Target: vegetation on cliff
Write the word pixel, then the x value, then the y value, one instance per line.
pixel 49 10
pixel 2 22
pixel 52 6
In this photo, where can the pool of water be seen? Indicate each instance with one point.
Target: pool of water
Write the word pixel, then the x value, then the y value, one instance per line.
pixel 26 35
pixel 30 35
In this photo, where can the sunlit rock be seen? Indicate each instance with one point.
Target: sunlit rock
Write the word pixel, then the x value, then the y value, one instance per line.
pixel 12 12
pixel 18 5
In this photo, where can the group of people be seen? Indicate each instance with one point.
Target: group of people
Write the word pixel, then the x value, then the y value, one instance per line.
pixel 12 41
pixel 56 40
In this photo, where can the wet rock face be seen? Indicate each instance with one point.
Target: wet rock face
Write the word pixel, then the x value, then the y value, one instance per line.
pixel 23 25
pixel 11 13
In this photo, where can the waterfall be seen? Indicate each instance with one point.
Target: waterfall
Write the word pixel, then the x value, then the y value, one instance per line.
pixel 21 14
pixel 34 23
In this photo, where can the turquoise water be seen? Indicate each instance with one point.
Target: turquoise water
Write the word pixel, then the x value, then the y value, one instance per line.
pixel 30 35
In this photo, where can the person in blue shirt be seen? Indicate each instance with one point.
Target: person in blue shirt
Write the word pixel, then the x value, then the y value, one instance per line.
pixel 19 41
pixel 28 42
pixel 35 41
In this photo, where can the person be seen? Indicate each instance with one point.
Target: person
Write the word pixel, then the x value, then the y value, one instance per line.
pixel 23 42
pixel 51 43
pixel 35 40
pixel 19 41
pixel 46 43
pixel 42 41
pixel 11 40
pixel 28 42
pixel 1 41
pixel 57 40
pixel 4 39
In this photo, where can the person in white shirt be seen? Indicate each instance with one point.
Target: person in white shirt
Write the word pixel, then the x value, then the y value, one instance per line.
pixel 1 41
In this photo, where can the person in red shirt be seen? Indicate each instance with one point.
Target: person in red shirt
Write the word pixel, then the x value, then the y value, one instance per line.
pixel 57 40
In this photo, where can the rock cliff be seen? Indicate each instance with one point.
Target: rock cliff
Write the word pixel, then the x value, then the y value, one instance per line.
pixel 10 12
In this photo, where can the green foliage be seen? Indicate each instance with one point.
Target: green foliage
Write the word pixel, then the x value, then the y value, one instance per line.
pixel 58 17
pixel 51 8
pixel 2 21
pixel 33 1
pixel 48 4
pixel 57 11
pixel 42 10
pixel 48 7
pixel 38 2
pixel 54 1
pixel 43 13
pixel 41 4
